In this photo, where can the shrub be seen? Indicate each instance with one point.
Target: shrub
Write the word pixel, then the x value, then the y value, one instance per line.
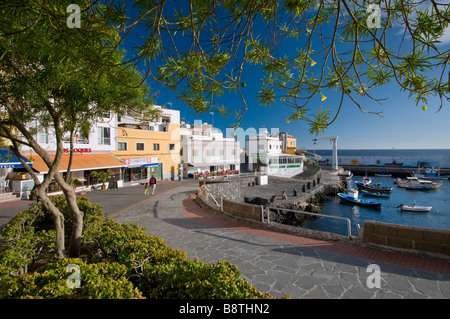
pixel 100 281
pixel 29 237
pixel 120 261
pixel 194 279
pixel 22 244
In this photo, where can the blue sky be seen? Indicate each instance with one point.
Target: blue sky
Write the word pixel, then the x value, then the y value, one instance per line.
pixel 403 126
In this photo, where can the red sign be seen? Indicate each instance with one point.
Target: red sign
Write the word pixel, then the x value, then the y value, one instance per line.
pixel 79 150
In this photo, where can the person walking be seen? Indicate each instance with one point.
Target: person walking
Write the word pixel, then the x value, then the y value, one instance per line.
pixel 146 189
pixel 153 184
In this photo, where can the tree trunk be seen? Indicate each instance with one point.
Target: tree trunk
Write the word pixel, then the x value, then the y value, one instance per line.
pixel 77 230
pixel 58 219
pixel 77 214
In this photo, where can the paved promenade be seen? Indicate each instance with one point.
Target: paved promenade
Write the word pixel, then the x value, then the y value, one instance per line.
pixel 277 263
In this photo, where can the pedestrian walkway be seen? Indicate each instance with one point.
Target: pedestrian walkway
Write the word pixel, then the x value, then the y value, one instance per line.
pixel 277 263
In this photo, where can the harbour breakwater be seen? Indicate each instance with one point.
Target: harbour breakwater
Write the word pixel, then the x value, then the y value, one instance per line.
pixel 371 170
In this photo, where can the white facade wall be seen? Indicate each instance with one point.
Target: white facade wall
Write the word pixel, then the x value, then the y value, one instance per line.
pixel 102 138
pixel 267 149
pixel 204 149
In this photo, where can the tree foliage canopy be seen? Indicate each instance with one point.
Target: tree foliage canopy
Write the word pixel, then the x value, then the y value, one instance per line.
pixel 306 48
pixel 61 79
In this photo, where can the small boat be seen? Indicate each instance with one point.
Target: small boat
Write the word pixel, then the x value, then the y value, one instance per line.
pixel 418 187
pixel 383 175
pixel 366 184
pixel 359 201
pixel 415 208
pixel 393 163
pixel 374 193
pixel 414 181
pixel 347 175
pixel 430 173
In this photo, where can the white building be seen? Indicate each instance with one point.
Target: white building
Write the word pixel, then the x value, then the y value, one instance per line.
pixel 205 150
pixel 93 149
pixel 265 154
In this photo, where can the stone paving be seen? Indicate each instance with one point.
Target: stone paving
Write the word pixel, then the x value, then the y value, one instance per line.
pixel 274 266
pixel 277 266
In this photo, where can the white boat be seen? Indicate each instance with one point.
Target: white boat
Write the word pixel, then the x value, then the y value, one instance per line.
pixel 415 208
pixel 414 182
pixel 430 173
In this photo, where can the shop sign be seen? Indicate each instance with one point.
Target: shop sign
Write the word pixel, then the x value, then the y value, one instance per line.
pixel 78 150
pixel 140 161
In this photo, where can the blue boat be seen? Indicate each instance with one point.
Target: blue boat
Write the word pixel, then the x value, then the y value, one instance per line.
pixel 359 201
pixel 374 193
pixel 373 187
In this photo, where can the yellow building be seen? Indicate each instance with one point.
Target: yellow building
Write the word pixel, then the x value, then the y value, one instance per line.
pixel 149 148
pixel 289 144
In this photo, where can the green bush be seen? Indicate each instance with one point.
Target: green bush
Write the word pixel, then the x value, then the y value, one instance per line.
pixel 99 281
pixel 119 261
pixel 22 244
pixel 194 279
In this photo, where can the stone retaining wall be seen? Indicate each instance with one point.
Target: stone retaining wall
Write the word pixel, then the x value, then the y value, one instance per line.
pixel 406 237
pixel 242 210
pixel 228 188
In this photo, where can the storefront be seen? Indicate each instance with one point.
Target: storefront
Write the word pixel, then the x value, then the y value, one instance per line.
pixel 12 173
pixel 138 169
pixel 83 165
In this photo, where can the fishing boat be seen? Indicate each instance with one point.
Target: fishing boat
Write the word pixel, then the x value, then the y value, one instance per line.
pixel 430 173
pixel 415 208
pixel 367 185
pixel 374 194
pixel 393 163
pixel 414 181
pixel 358 201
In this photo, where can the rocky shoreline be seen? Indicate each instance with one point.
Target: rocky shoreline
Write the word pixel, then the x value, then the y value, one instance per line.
pixel 291 194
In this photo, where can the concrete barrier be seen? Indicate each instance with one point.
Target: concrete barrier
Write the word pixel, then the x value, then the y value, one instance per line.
pixel 419 239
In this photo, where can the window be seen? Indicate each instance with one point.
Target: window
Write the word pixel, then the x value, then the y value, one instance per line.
pixel 140 146
pixel 156 147
pixel 104 136
pixel 171 147
pixel 122 146
pixel 42 136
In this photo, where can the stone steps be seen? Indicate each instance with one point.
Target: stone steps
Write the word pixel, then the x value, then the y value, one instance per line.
pixel 5 197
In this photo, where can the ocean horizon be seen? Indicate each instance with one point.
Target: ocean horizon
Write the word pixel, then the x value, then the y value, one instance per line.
pixel 410 157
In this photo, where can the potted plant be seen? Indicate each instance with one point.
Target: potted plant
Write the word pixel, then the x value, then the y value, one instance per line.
pixel 102 176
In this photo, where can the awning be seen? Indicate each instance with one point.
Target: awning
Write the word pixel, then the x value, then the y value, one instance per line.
pixel 80 162
pixel 151 165
pixel 9 160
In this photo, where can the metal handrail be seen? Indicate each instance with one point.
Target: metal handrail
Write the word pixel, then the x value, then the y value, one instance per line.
pixel 349 223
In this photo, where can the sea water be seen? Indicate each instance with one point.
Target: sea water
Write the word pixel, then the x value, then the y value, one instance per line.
pixel 409 157
pixel 438 217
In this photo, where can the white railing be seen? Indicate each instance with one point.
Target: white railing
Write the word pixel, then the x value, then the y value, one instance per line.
pixel 349 224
